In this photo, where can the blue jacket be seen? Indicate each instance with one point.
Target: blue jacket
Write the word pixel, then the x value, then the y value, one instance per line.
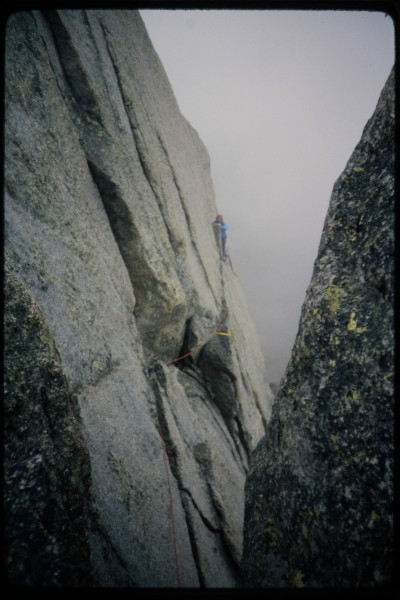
pixel 224 227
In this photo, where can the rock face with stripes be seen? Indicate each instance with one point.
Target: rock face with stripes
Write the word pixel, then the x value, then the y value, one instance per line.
pixel 319 492
pixel 108 210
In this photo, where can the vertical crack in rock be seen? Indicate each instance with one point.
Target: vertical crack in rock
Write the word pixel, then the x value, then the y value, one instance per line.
pixel 194 469
pixel 149 174
pixel 214 361
pixel 122 225
pixel 219 381
pixel 242 438
pixel 223 383
pixel 256 399
pixel 185 211
pixel 155 284
pixel 202 516
pixel 193 541
pixel 73 69
pixel 172 454
pixel 138 141
pixel 229 552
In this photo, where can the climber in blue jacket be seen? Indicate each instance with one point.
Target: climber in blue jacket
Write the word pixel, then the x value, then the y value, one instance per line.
pixel 220 228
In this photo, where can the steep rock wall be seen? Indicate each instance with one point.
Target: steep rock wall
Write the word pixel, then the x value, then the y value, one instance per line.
pixel 108 204
pixel 319 493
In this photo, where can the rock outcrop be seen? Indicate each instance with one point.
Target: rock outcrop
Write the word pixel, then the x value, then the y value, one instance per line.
pixel 319 493
pixel 125 463
pixel 46 467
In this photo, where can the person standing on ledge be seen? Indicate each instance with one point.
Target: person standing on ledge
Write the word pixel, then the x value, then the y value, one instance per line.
pixel 220 228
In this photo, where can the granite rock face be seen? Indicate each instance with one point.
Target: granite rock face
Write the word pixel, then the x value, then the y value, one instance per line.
pixel 108 210
pixel 319 492
pixel 45 455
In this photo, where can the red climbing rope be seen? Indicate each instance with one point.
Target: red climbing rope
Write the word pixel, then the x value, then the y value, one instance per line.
pixel 180 358
pixel 171 507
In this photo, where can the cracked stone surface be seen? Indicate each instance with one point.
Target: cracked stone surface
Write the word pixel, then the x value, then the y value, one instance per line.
pixel 319 492
pixel 108 205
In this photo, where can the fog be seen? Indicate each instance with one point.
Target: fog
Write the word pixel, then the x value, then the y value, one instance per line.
pixel 280 100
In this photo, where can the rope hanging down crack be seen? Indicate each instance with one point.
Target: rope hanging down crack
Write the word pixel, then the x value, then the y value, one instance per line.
pixel 171 506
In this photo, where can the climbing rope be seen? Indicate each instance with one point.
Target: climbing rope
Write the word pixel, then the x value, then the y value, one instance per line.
pixel 171 507
pixel 171 362
pixel 204 342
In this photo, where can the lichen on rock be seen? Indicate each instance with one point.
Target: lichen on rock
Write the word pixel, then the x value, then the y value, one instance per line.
pixel 319 492
pixel 46 465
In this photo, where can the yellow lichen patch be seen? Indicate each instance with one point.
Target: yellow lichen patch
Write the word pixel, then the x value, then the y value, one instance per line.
pixel 333 295
pixel 353 236
pixel 353 396
pixel 298 579
pixel 96 365
pixel 352 324
pixel 361 329
pixel 332 363
pixel 334 340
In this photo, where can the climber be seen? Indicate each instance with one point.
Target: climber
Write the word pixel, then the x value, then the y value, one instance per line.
pixel 220 228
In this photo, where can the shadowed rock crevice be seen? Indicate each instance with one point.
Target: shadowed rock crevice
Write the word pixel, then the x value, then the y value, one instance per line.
pixel 200 354
pixel 139 141
pixel 203 517
pixel 144 279
pixel 75 73
pixel 121 222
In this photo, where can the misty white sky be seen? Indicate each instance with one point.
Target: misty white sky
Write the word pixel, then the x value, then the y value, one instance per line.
pixel 280 99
